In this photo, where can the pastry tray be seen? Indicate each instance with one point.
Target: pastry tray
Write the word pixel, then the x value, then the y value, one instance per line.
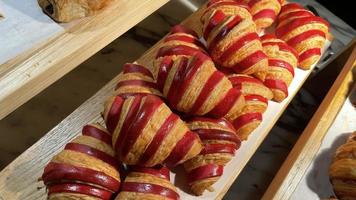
pixel 19 180
pixel 304 174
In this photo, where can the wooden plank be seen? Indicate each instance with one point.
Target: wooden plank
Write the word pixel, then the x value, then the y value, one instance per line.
pixel 304 151
pixel 32 71
pixel 19 179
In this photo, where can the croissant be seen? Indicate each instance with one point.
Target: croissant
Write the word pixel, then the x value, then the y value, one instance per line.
pixel 136 79
pixel 232 38
pixel 85 169
pixel 68 10
pixel 282 59
pixel 343 169
pixel 303 31
pixel 147 133
pixel 264 12
pixel 148 184
pixel 256 101
pixel 220 142
pixel 189 80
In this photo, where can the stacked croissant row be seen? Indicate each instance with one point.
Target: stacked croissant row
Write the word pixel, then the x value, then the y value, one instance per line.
pixel 193 107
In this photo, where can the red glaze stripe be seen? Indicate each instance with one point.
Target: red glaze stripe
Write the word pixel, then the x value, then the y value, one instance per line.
pixel 182 29
pixel 177 81
pixel 177 50
pixel 255 97
pixel 309 53
pixel 294 41
pixel 148 188
pixel 82 148
pixel 213 134
pixel 185 38
pixel 162 172
pixel 226 103
pixel 238 80
pixel 80 189
pixel 181 149
pixel 246 118
pixel 281 64
pixel 130 116
pixel 251 3
pixel 223 32
pixel 135 68
pixel 249 61
pixel 218 148
pixel 92 131
pixel 267 36
pixel 207 90
pixel 205 171
pixel 157 140
pixel 114 114
pixel 236 45
pixel 136 83
pixel 277 84
pixel 57 172
pixel 215 20
pixel 285 29
pixel 148 108
pixel 164 68
pixel 265 13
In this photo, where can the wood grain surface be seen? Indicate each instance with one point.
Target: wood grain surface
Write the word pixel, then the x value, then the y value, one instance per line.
pixel 304 151
pixel 30 72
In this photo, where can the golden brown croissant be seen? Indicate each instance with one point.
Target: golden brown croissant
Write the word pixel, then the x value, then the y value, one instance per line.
pixel 189 80
pixel 256 101
pixel 303 31
pixel 85 169
pixel 264 12
pixel 147 133
pixel 343 170
pixel 220 142
pixel 282 59
pixel 148 184
pixel 232 38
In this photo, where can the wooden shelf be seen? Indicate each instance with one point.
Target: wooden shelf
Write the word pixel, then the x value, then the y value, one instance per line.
pixel 309 143
pixel 32 63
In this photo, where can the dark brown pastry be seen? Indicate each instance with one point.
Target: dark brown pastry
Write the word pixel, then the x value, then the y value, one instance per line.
pixel 68 10
pixel 343 170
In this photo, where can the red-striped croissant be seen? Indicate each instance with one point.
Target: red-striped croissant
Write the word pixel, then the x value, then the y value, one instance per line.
pixel 282 59
pixel 220 142
pixel 189 80
pixel 147 133
pixel 148 184
pixel 85 169
pixel 232 38
pixel 264 12
pixel 256 98
pixel 136 79
pixel 303 31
